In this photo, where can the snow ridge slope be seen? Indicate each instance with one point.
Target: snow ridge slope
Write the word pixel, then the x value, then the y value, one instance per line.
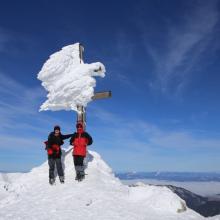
pixel 100 196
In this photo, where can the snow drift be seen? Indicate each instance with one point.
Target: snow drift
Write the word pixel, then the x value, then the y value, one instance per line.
pixel 101 196
pixel 68 80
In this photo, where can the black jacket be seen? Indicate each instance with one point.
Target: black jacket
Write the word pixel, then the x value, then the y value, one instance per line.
pixel 84 134
pixel 52 139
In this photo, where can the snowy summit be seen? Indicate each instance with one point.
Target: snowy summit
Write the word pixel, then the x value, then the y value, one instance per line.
pixel 100 196
pixel 68 80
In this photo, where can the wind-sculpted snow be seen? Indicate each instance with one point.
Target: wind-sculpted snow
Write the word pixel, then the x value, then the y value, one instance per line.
pixel 101 196
pixel 69 83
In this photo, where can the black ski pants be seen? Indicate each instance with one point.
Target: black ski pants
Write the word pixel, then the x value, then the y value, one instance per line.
pixel 52 162
pixel 78 163
pixel 78 160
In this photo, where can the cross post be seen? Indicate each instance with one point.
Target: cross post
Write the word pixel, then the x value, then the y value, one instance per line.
pixel 81 110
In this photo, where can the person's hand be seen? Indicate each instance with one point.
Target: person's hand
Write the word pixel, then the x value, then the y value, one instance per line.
pixel 49 151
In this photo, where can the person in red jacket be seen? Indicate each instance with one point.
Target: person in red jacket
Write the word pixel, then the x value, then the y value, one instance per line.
pixel 53 147
pixel 80 140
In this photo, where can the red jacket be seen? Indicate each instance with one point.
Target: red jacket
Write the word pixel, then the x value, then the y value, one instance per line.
pixel 80 142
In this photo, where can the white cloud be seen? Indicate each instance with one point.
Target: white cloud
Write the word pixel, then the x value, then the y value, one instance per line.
pixel 133 144
pixel 123 57
pixel 17 98
pixel 183 47
pixel 11 142
pixel 183 141
pixel 19 109
pixel 140 134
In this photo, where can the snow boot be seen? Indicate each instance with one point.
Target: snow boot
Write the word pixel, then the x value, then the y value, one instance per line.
pixel 77 176
pixel 51 181
pixel 80 176
pixel 61 179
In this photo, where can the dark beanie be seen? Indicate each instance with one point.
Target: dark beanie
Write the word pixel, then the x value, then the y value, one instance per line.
pixel 56 127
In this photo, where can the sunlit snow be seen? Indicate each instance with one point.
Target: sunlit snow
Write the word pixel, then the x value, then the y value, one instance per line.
pixel 68 81
pixel 101 196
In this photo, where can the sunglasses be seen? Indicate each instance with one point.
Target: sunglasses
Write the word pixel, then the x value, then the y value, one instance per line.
pixel 79 126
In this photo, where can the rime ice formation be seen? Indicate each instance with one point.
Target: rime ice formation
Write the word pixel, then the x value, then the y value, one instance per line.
pixel 69 81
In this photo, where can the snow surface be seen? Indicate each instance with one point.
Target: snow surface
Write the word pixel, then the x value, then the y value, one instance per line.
pixel 217 217
pixel 69 83
pixel 6 180
pixel 101 196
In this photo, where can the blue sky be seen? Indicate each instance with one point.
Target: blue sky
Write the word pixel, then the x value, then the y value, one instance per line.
pixel 162 62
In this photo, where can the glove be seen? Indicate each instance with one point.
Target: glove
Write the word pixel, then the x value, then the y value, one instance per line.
pixel 49 151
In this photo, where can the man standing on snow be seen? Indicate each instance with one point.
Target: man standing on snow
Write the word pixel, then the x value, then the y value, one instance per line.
pixel 55 140
pixel 80 140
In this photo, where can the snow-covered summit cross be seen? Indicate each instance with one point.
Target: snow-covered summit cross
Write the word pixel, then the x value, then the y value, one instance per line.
pixel 70 82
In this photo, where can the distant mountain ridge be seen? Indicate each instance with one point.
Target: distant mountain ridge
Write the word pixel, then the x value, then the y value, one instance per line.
pixel 171 176
pixel 200 204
